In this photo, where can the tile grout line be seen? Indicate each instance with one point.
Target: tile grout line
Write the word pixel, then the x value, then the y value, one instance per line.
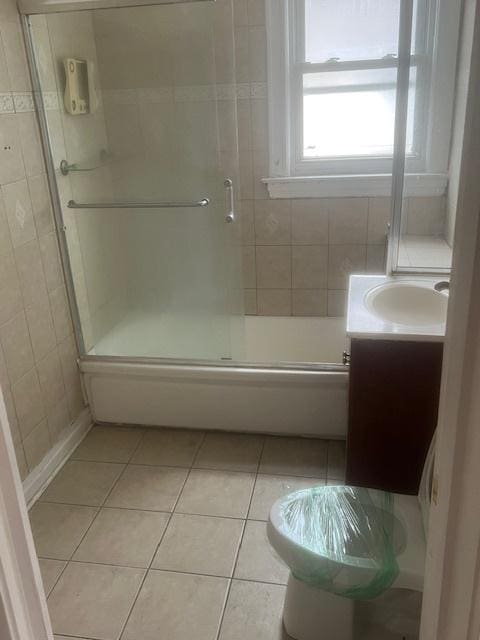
pixel 99 508
pixel 78 637
pixel 183 513
pixel 175 571
pixel 229 587
pixel 148 569
pixel 169 466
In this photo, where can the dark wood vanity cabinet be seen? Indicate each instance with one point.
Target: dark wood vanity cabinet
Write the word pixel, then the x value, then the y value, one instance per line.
pixel 393 408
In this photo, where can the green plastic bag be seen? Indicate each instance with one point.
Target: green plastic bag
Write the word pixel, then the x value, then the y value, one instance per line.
pixel 342 539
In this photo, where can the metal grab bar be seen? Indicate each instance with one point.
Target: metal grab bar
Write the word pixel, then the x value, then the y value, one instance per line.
pixel 204 202
pixel 228 184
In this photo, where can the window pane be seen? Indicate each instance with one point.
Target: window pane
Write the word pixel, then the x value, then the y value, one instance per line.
pixel 352 113
pixel 350 29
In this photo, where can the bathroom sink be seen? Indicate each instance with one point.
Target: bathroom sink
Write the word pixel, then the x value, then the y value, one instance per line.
pixel 408 302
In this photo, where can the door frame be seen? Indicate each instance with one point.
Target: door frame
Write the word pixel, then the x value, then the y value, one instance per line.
pixel 451 604
pixel 23 605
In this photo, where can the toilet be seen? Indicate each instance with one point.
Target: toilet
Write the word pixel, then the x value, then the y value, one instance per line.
pixel 346 545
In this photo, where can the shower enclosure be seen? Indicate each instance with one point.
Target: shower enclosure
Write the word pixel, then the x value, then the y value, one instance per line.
pixel 137 105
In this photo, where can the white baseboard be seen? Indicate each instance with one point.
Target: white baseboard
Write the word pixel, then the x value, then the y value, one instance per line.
pixel 38 479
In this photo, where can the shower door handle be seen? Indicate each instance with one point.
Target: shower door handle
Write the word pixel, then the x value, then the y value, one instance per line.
pixel 228 184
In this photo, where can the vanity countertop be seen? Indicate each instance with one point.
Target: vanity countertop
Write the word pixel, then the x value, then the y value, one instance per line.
pixel 364 322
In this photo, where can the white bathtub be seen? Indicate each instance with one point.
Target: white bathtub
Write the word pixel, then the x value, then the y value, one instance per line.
pixel 307 397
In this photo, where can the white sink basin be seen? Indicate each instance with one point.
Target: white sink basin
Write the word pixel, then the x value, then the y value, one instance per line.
pixel 412 303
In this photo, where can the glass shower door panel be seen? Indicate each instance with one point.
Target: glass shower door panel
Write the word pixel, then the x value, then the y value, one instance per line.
pixel 153 282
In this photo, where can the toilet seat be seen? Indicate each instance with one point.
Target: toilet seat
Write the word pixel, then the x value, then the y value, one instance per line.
pixel 313 554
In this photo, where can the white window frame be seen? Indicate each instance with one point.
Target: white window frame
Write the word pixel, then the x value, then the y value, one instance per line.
pixel 289 177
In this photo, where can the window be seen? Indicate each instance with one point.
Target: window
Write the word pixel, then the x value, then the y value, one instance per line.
pixel 332 87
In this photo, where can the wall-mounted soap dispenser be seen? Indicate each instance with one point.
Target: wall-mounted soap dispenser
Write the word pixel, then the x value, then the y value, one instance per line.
pixel 80 94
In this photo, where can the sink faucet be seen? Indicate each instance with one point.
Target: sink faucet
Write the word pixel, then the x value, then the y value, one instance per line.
pixel 443 285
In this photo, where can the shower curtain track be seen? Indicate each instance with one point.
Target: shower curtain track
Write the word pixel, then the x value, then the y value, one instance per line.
pixel 226 365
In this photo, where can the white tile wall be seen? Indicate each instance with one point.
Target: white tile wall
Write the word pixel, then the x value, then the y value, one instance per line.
pixel 38 374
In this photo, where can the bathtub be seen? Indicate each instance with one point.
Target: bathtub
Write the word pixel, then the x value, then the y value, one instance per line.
pixel 271 393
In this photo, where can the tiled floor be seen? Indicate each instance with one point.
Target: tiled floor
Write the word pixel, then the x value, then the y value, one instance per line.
pixel 161 535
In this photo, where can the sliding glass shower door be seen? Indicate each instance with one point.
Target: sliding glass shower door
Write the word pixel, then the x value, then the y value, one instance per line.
pixel 144 146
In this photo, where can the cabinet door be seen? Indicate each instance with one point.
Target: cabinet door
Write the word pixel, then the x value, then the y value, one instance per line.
pixel 393 408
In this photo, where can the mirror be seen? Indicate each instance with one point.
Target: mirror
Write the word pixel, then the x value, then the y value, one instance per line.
pixel 423 213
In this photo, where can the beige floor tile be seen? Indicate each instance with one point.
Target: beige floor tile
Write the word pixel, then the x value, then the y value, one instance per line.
pixel 58 528
pixel 69 638
pixel 86 483
pixel 269 488
pixel 257 560
pixel 51 570
pixel 295 457
pixel 199 544
pixel 234 452
pixel 254 612
pixel 177 606
pixel 216 493
pixel 93 600
pixel 123 537
pixel 148 488
pixel 108 444
pixel 174 447
pixel 336 460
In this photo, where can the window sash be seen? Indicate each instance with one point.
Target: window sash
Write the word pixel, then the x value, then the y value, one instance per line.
pixel 351 164
pixel 296 16
pixel 436 72
pixel 300 165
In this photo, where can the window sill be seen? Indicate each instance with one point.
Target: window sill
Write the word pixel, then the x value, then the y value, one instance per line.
pixel 416 184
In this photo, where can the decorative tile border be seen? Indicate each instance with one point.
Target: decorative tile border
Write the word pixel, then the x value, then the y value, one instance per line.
pixel 23 102
pixel 258 90
pixel 120 96
pixel 186 93
pixel 195 93
pixel 6 103
pixel 51 100
pixel 243 91
pixel 226 92
pixel 251 90
pixel 155 95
